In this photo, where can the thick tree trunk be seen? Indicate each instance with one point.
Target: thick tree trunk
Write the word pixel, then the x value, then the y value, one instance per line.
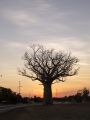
pixel 47 95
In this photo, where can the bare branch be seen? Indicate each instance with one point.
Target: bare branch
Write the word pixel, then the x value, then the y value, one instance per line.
pixel 24 73
pixel 49 66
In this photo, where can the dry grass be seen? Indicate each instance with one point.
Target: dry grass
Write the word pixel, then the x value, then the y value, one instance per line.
pixel 54 112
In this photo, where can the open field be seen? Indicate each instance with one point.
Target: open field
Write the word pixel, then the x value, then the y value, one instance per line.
pixel 54 112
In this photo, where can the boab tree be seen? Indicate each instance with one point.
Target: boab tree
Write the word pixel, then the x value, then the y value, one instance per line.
pixel 48 67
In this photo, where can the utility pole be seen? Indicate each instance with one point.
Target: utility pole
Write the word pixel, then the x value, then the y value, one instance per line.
pixel 19 92
pixel 19 87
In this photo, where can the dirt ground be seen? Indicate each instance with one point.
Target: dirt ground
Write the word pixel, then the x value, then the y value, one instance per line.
pixel 54 112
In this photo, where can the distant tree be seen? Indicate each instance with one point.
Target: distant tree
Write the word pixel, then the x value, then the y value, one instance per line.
pixel 78 97
pixel 48 66
pixel 85 94
pixel 25 100
pixel 19 98
pixel 7 95
pixel 82 95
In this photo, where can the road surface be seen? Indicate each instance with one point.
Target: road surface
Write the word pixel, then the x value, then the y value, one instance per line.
pixel 5 108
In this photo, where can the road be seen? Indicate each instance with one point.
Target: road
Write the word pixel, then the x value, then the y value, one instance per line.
pixel 5 108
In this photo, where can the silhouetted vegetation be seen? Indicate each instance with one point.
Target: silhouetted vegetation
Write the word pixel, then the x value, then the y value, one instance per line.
pixel 48 67
pixel 37 99
pixel 7 96
pixel 81 96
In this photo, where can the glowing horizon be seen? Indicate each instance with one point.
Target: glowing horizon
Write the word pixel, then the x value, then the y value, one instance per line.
pixel 62 25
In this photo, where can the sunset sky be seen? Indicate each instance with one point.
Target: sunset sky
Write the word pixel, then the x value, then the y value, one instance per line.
pixel 60 24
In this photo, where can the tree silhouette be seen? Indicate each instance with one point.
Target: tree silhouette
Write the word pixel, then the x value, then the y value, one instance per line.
pixel 85 94
pixel 6 94
pixel 48 67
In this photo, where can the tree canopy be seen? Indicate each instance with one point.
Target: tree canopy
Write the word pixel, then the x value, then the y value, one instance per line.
pixel 48 67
